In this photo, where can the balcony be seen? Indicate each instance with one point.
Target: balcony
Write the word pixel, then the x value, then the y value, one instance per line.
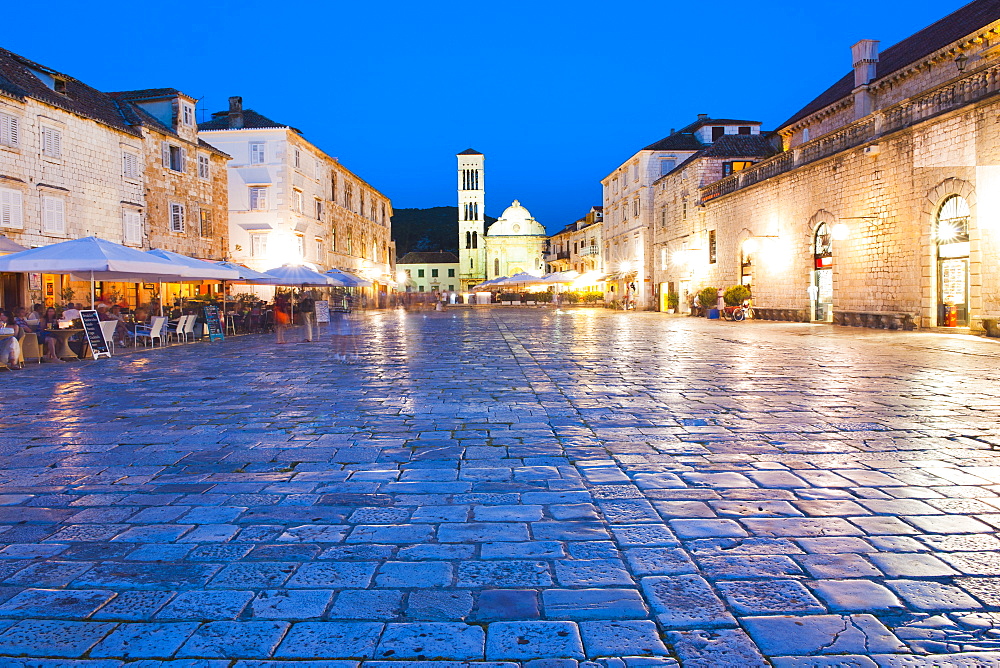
pixel 947 97
pixel 590 250
pixel 555 257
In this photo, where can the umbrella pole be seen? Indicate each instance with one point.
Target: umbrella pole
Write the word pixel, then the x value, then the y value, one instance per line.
pixel 91 289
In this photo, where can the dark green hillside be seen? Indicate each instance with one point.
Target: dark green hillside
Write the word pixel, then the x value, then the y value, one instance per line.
pixel 433 229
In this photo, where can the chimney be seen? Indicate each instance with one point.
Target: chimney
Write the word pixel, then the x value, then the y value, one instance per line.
pixel 865 61
pixel 235 113
pixel 702 117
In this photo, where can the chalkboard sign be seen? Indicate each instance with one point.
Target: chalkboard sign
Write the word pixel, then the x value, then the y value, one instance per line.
pixel 322 311
pixel 214 324
pixel 95 336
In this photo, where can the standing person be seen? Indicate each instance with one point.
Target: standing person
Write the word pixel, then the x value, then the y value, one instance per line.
pixel 307 307
pixel 340 326
pixel 281 316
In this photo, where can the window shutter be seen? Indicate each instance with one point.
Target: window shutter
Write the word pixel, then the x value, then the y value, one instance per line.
pixel 53 215
pixel 11 210
pixel 9 130
pixel 183 165
pixel 165 150
pixel 176 217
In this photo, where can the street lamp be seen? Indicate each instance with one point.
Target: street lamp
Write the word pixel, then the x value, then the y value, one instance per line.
pixel 840 232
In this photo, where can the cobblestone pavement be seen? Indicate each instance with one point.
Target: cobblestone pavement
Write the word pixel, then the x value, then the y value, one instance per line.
pixel 509 488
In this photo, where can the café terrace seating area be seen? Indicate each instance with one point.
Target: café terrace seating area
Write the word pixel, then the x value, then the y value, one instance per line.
pixel 59 334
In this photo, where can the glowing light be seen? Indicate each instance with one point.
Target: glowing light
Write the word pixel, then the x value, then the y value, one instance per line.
pixel 839 232
pixel 947 231
pixel 625 266
pixel 751 245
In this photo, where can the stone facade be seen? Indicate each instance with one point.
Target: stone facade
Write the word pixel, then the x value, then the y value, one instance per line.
pixel 78 162
pixel 629 203
pixel 290 202
pixel 577 247
pixel 879 181
pixel 429 272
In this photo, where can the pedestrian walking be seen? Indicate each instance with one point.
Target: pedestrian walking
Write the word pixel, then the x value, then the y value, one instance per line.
pixel 282 318
pixel 307 308
pixel 342 329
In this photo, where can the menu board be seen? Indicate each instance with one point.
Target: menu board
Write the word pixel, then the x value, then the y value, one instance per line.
pixel 214 323
pixel 95 336
pixel 322 311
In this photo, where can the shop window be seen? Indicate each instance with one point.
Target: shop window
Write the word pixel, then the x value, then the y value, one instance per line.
pixel 711 247
pixel 823 247
pixel 735 166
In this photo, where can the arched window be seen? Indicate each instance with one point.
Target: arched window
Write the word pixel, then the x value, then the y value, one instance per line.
pixel 952 221
pixel 475 239
pixel 468 240
pixel 496 266
pixel 823 247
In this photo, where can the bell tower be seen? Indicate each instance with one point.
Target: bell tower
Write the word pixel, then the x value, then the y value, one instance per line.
pixel 471 219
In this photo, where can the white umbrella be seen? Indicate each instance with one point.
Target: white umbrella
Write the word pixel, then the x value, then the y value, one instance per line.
pixel 200 268
pixel 294 274
pixel 522 278
pixel 95 259
pixel 8 246
pixel 245 272
pixel 347 280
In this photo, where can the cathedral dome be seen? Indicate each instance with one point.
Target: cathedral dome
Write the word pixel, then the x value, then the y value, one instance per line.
pixel 515 221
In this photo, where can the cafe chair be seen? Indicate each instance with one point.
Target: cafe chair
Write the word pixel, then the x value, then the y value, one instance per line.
pixel 108 329
pixel 30 350
pixel 179 331
pixel 190 328
pixel 153 333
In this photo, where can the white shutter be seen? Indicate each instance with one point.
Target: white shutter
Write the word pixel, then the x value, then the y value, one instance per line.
pixel 165 150
pixel 51 142
pixel 53 215
pixel 176 217
pixel 183 165
pixel 132 227
pixel 9 133
pixel 11 209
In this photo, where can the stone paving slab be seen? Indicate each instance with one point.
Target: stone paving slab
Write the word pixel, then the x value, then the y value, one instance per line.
pixel 510 489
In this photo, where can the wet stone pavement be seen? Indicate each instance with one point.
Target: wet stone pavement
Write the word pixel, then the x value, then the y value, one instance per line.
pixel 509 487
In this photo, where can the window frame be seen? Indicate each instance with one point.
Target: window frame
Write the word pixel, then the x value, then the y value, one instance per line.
pixel 10 130
pixel 132 220
pixel 131 159
pixel 176 214
pixel 11 209
pixel 257 195
pixel 204 166
pixel 55 145
pixel 53 206
pixel 258 152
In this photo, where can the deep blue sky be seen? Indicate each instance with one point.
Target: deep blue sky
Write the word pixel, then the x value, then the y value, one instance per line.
pixel 555 93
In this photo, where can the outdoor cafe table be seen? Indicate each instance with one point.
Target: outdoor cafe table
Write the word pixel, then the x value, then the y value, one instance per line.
pixel 63 351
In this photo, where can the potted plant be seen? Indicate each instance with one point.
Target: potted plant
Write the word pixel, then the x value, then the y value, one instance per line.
pixel 708 298
pixel 736 295
pixel 673 299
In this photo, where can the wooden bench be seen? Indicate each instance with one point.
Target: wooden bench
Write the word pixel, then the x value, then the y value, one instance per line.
pixel 875 319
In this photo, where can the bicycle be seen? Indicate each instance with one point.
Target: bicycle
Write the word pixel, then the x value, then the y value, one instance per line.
pixel 737 313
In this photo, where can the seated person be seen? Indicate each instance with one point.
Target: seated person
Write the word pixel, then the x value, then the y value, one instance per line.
pixel 35 315
pixel 48 321
pixel 10 347
pixel 121 330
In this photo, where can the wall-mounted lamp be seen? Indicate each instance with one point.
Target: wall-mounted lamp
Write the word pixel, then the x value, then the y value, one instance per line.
pixel 840 232
pixel 960 62
pixel 752 245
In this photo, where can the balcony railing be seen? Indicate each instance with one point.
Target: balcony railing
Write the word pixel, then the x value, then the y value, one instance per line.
pixel 947 97
pixel 559 255
pixel 590 250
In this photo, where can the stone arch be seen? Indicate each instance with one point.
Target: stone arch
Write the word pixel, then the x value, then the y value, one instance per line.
pixel 822 275
pixel 928 249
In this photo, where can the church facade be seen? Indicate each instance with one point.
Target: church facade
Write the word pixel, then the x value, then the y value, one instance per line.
pixel 515 243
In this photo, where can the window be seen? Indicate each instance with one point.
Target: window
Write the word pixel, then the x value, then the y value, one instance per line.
pixel 333 187
pixel 297 157
pixel 420 273
pixel 258 245
pixel 451 273
pixel 496 266
pixel 130 165
pixel 11 208
pixel 320 255
pixel 173 157
pixel 187 114
pixel 805 135
pixel 205 221
pixel 319 209
pixel 258 199
pixel 667 166
pixel 176 217
pixel 718 132
pixel 953 221
pixel 744 129
pixel 735 166
pixel 348 194
pixel 350 244
pixel 635 207
pixel 711 247
pixel 297 201
pixel 256 153
pixel 684 211
pixel 10 130
pixel 300 246
pixel 333 239
pixel 51 142
pixel 203 166
pixel 53 215
pixel 451 287
pixel 434 273
pixel 132 227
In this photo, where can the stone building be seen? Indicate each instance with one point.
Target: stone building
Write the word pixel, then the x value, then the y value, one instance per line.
pixel 513 244
pixel 75 162
pixel 577 247
pixel 684 249
pixel 290 202
pixel 881 207
pixel 628 203
pixel 429 271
